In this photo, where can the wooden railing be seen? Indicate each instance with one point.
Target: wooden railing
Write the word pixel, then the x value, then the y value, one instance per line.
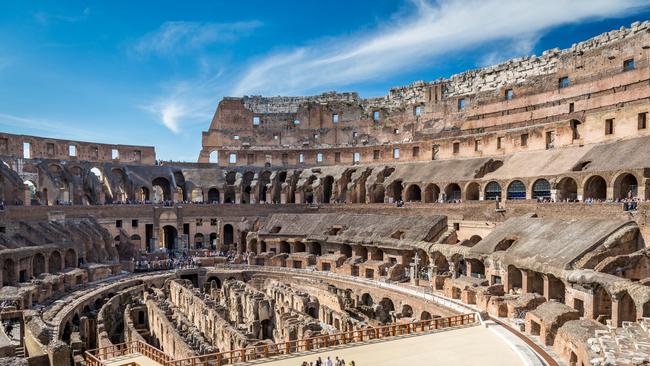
pixel 325 341
pixel 97 356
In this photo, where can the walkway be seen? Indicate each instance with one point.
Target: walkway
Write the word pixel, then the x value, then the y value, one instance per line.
pixel 470 346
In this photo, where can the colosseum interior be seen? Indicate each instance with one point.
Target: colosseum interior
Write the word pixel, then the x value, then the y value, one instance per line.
pixel 504 207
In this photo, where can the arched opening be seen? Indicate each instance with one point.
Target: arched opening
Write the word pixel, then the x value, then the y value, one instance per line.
pixel 596 188
pixel 378 193
pixel 452 192
pixel 626 309
pixel 514 278
pixel 407 311
pixel 425 316
pixel 161 189
pixel 567 189
pixel 602 305
pixel 346 250
pixel 229 195
pixel 285 247
pixel 556 288
pixel 541 189
pixel 517 190
pixel 383 312
pixel 626 186
pixel 413 193
pixel 477 268
pixel 377 255
pixel 396 190
pixel 504 245
pixel 315 249
pixel 246 187
pixel 213 195
pixel 298 247
pixel 267 329
pixel 472 192
pixel 535 283
pixel 475 239
pixel 431 193
pixel 214 281
pixel 54 262
pixel 214 157
pixel 136 240
pixel 38 264
pixel 198 240
pixel 144 194
pixel 493 191
pixel 367 300
pixel 32 191
pixel 9 273
pixel 213 241
pixel 328 182
pixel 70 258
pixel 169 237
pixel 228 234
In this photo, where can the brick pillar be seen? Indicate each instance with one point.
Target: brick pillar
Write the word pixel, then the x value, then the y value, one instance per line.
pixel 616 321
pixel 526 286
pixel 27 200
pixel 547 287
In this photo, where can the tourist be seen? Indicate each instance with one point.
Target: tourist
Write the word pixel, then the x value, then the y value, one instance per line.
pixel 328 362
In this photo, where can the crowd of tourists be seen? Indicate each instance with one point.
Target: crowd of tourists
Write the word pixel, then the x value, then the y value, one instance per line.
pixel 328 362
pixel 181 262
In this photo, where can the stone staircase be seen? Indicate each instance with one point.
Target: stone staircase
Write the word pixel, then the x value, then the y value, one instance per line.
pixel 20 352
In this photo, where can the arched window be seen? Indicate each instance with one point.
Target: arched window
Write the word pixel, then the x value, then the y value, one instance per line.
pixel 517 190
pixel 492 191
pixel 541 189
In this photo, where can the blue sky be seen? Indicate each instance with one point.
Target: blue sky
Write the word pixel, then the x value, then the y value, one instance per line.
pixel 153 72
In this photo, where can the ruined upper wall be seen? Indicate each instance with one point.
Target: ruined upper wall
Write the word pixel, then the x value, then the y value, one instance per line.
pixel 513 71
pixel 48 148
pixel 515 94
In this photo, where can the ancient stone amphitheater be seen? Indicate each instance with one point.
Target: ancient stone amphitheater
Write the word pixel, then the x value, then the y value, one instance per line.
pixel 496 217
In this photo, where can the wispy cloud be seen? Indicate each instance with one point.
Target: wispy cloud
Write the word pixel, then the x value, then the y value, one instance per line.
pixel 182 36
pixel 50 128
pixel 187 102
pixel 409 42
pixel 47 18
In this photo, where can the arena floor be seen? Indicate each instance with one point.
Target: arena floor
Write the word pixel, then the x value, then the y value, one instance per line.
pixel 467 346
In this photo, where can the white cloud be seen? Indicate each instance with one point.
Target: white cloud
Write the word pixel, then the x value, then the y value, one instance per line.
pixel 186 102
pixel 46 18
pixel 179 36
pixel 408 42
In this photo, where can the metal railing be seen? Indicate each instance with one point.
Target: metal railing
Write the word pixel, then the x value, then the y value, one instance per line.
pixel 97 357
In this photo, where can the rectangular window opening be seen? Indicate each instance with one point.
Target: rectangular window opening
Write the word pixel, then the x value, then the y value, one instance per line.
pixel 642 120
pixel 563 82
pixel 27 153
pixel 609 126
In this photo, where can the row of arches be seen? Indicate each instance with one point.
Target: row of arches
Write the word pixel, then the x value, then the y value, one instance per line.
pixel 14 271
pixel 594 187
